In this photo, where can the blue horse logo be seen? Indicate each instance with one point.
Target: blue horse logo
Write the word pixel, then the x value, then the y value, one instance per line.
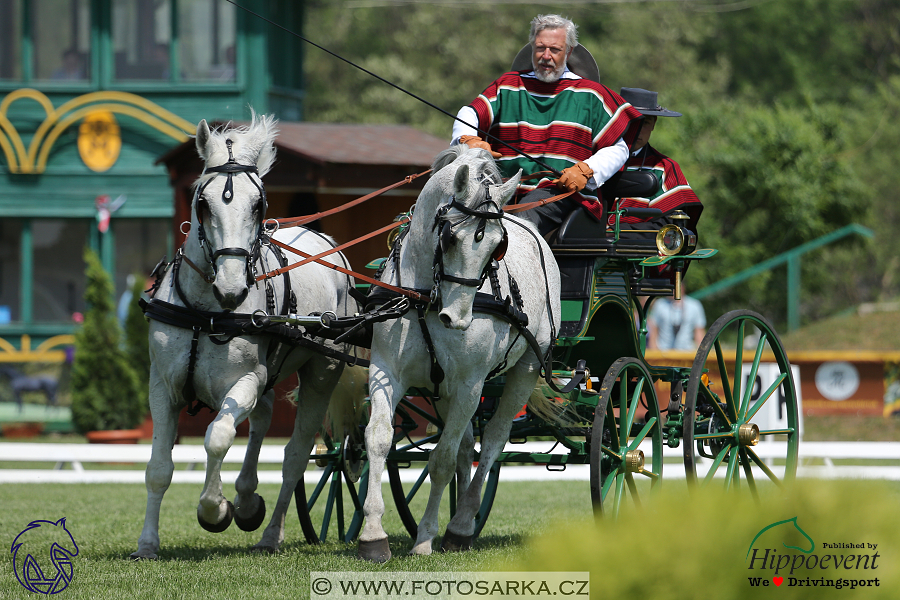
pixel 40 545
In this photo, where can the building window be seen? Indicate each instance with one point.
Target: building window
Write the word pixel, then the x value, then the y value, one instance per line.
pixel 10 39
pixel 58 258
pixel 206 39
pixel 143 37
pixel 140 244
pixel 62 44
pixel 10 269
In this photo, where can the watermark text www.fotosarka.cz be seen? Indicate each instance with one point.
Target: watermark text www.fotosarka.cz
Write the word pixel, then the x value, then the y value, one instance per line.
pixel 510 584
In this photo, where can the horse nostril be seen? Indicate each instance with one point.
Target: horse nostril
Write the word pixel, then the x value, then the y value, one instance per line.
pixel 445 319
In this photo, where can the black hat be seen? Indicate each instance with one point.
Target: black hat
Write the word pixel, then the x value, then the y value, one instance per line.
pixel 645 102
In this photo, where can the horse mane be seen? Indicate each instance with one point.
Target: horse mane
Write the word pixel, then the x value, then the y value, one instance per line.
pixel 489 171
pixel 255 143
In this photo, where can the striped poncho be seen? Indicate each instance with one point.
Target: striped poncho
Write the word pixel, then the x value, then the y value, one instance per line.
pixel 674 192
pixel 560 123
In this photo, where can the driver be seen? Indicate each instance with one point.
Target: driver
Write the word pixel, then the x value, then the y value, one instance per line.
pixel 570 123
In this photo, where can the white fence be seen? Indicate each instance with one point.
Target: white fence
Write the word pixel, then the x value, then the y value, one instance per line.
pixel 817 460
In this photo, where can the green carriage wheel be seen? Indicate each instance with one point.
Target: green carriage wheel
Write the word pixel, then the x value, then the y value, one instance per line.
pixel 405 494
pixel 720 411
pixel 625 416
pixel 345 472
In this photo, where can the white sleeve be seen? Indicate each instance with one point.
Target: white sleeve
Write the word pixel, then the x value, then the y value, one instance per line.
pixel 467 114
pixel 606 163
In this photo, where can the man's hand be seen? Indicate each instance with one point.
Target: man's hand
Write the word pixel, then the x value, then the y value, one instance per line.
pixel 575 178
pixel 473 141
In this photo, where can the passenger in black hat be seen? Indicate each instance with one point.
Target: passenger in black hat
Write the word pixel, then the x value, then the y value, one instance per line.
pixel 674 191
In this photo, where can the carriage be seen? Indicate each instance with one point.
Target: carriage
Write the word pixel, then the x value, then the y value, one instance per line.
pixel 598 402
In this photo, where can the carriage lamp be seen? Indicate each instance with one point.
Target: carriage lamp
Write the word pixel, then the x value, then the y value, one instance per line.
pixel 675 238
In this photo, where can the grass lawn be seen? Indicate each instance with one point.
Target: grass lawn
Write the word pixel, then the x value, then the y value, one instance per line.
pixel 105 521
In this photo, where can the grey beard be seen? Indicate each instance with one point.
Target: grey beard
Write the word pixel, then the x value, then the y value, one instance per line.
pixel 549 77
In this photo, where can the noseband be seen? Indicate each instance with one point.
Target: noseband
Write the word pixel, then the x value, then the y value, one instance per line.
pixel 229 169
pixel 446 238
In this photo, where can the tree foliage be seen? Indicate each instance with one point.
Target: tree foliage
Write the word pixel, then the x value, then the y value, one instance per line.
pixel 790 125
pixel 137 339
pixel 104 386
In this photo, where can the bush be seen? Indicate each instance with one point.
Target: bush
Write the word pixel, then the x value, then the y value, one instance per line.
pixel 104 386
pixel 685 546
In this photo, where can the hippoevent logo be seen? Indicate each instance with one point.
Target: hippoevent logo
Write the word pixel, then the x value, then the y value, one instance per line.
pixel 797 561
pixel 42 556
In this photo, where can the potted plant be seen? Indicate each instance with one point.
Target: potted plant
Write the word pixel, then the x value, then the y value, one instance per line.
pixel 105 394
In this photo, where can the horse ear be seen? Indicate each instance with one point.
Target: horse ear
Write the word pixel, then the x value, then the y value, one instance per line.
pixel 507 191
pixel 202 140
pixel 461 183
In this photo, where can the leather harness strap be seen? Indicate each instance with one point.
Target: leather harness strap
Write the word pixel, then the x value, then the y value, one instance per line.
pixel 408 293
pixel 523 207
pixel 295 221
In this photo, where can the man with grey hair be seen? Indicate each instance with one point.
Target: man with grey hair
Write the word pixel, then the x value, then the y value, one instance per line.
pixel 570 123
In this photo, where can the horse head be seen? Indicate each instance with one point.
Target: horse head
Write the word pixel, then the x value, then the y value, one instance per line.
pixel 470 234
pixel 230 203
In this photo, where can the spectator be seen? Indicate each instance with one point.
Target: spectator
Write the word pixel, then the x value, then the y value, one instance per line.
pixel 676 324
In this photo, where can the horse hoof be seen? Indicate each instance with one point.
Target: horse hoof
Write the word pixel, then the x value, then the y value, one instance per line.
pixel 252 523
pixel 378 551
pixel 136 556
pixel 221 525
pixel 257 549
pixel 455 543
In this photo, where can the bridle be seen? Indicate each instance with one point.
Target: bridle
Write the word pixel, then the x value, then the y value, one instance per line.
pixel 446 239
pixel 230 168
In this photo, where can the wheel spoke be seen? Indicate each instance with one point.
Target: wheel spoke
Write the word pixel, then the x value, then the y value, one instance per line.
pixel 632 410
pixel 748 473
pixel 620 493
pixel 632 488
pixel 323 481
pixel 723 374
pixel 329 504
pixel 765 396
pixel 611 417
pixel 787 431
pixel 711 436
pixel 642 434
pixel 715 466
pixel 650 474
pixel 610 480
pixel 714 403
pixel 759 463
pixel 730 471
pixel 751 380
pixel 415 488
pixel 738 363
pixel 624 425
pixel 609 452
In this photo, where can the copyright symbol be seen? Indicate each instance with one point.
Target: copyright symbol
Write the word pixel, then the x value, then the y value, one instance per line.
pixel 321 586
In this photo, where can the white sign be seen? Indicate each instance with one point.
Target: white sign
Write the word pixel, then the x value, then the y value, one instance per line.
pixel 837 380
pixel 773 414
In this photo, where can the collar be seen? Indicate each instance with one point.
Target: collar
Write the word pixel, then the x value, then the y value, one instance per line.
pixel 566 74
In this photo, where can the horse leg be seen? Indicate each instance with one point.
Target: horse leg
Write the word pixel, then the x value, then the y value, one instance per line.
pixel 160 467
pixel 385 392
pixel 249 507
pixel 312 404
pixel 215 512
pixel 520 381
pixel 443 461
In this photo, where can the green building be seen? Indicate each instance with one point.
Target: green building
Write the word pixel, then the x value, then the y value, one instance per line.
pixel 92 93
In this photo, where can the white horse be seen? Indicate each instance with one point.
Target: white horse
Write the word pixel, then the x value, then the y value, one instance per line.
pixel 191 360
pixel 457 229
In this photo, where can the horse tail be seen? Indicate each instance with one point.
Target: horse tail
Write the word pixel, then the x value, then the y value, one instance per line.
pixel 345 410
pixel 548 406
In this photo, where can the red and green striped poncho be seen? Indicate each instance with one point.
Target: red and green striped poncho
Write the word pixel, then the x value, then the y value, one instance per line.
pixel 560 123
pixel 674 193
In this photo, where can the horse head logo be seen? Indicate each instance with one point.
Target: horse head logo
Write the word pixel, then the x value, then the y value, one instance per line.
pixel 791 527
pixel 40 545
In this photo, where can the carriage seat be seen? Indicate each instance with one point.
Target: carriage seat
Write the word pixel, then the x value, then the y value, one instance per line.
pixel 581 230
